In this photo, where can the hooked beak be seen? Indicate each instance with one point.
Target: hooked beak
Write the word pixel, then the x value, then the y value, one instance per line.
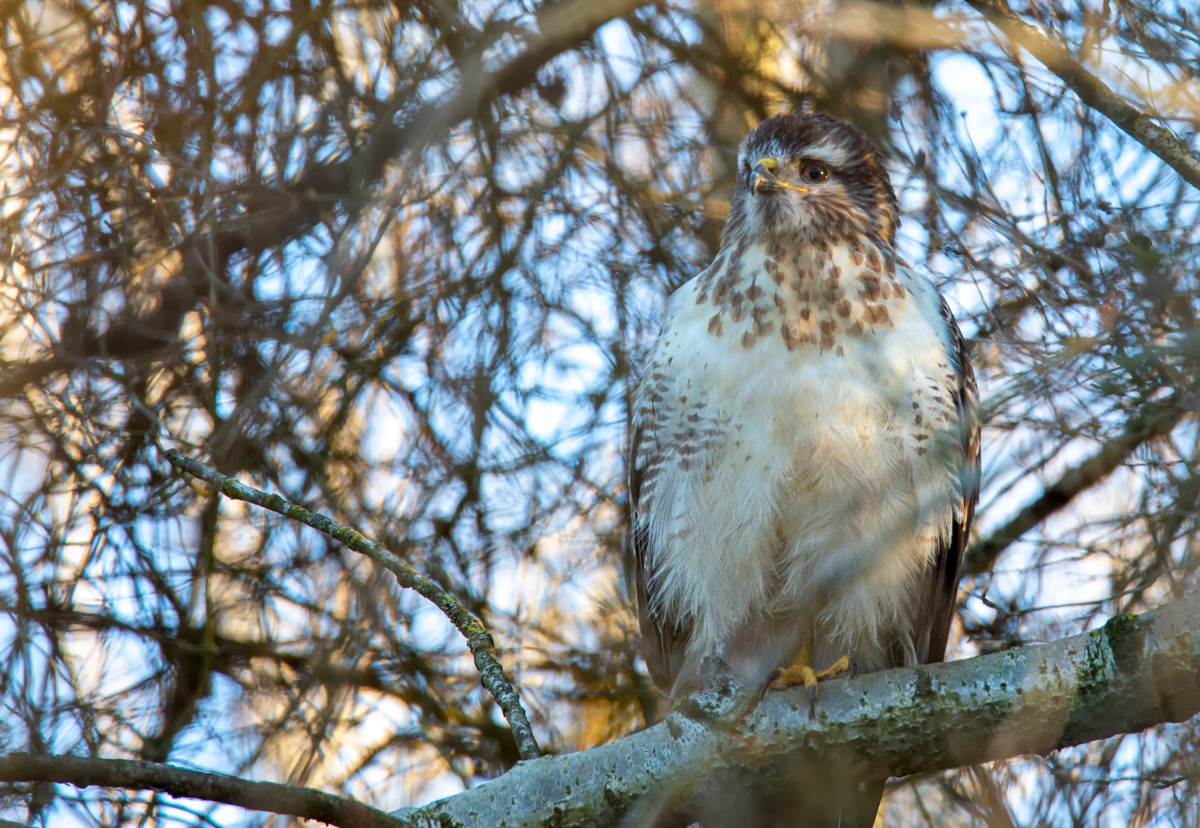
pixel 762 179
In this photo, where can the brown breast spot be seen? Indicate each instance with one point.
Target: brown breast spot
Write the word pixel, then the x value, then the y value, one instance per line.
pixel 876 314
pixel 873 261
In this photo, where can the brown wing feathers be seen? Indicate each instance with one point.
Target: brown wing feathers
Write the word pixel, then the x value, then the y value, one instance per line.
pixel 932 628
pixel 664 640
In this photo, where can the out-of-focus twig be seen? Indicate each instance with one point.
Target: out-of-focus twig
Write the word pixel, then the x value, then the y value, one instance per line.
pixel 1093 91
pixel 479 640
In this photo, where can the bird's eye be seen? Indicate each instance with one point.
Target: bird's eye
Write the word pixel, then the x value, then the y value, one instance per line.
pixel 815 172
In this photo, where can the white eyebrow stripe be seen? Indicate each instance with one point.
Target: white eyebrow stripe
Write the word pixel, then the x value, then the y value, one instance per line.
pixel 767 150
pixel 832 153
pixel 836 155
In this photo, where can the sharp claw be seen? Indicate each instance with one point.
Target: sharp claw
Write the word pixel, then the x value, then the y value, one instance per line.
pixel 812 701
pixel 853 668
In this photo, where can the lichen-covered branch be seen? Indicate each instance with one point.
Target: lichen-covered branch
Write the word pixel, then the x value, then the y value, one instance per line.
pixel 479 640
pixel 1135 672
pixel 1093 91
pixel 82 771
pixel 1131 674
pixel 1155 420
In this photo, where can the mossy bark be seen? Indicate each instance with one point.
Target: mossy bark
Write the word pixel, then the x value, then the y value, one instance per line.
pixel 1132 673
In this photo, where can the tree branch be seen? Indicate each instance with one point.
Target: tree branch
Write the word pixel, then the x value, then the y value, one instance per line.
pixel 272 797
pixel 1155 420
pixel 1131 674
pixel 1135 672
pixel 479 640
pixel 1093 91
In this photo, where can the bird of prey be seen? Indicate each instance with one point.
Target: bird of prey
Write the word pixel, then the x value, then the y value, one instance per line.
pixel 805 449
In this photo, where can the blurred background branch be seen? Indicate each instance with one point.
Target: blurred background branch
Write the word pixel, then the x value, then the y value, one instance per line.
pixel 82 772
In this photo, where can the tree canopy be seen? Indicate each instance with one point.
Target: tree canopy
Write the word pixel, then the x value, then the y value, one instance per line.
pixel 395 263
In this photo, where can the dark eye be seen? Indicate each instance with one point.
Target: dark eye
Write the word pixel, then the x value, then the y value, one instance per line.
pixel 815 172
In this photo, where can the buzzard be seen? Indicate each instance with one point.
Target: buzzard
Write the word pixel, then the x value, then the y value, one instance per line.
pixel 805 448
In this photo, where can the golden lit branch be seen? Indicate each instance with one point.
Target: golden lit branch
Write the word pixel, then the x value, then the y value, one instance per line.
pixel 1093 91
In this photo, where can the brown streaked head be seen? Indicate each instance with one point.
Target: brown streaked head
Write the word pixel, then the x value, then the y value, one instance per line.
pixel 811 177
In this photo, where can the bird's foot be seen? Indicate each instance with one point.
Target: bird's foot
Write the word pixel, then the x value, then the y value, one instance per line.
pixel 800 673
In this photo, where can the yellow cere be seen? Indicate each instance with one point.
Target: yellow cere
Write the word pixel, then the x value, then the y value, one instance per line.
pixel 771 165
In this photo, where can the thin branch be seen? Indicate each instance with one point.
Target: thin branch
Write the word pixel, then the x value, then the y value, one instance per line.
pixel 479 640
pixel 1093 91
pixel 272 797
pixel 1154 421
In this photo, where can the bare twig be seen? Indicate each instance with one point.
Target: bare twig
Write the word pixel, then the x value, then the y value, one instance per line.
pixel 1093 91
pixel 479 640
pixel 1153 421
pixel 272 797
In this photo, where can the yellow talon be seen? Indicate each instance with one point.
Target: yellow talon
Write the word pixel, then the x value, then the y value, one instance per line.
pixel 800 672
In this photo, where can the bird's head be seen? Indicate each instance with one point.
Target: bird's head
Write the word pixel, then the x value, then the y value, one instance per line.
pixel 803 178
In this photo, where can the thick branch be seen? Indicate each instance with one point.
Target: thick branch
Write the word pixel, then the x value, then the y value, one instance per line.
pixel 1093 91
pixel 1133 673
pixel 82 771
pixel 479 640
pixel 1152 422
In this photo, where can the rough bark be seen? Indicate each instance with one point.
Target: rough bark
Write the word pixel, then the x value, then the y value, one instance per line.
pixel 1131 674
